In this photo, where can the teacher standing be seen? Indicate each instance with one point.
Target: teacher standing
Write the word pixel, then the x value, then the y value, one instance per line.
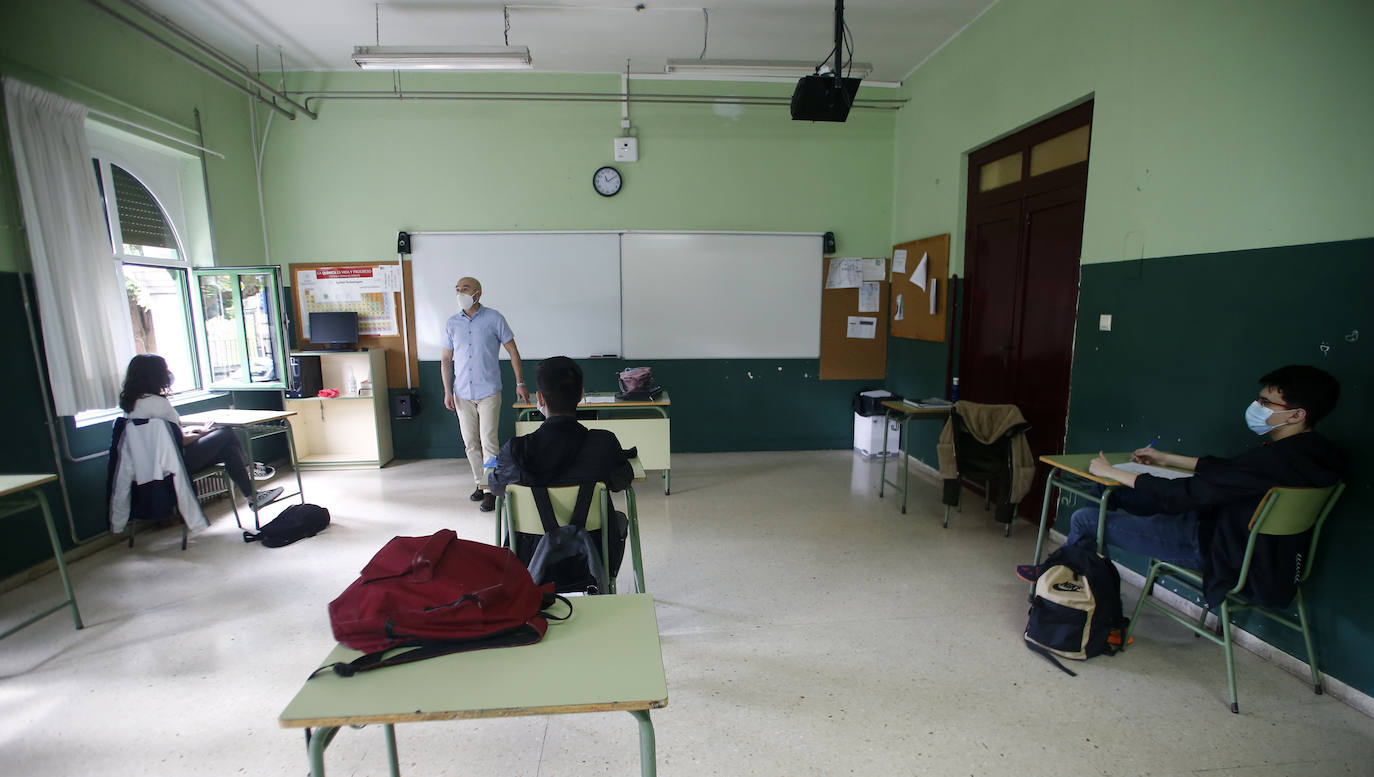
pixel 472 379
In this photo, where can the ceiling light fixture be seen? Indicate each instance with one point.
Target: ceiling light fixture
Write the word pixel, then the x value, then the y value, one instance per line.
pixel 427 58
pixel 753 68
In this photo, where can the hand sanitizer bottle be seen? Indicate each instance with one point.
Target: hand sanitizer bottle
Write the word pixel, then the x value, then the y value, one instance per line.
pixel 351 386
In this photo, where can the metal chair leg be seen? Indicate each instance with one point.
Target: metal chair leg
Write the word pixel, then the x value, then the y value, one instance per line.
pixel 1311 647
pixel 1230 655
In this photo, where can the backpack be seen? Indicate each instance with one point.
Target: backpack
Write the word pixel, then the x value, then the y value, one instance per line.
pixel 295 523
pixel 569 556
pixel 437 595
pixel 1076 606
pixel 637 383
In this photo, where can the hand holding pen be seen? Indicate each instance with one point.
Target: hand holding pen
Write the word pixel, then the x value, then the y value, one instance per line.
pixel 1149 455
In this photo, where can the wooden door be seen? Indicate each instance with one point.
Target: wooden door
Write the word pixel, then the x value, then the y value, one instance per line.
pixel 1021 260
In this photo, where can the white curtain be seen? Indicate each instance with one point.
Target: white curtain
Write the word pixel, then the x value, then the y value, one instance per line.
pixel 87 333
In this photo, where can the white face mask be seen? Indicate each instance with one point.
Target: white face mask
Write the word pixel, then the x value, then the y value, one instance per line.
pixel 466 301
pixel 1257 418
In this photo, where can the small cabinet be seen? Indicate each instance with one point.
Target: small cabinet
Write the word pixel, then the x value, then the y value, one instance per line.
pixel 353 429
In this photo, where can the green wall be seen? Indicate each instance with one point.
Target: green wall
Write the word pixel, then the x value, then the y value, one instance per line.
pixel 340 188
pixel 72 48
pixel 1230 185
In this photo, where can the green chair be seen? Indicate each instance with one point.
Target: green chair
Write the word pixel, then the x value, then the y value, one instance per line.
pixel 1283 511
pixel 517 512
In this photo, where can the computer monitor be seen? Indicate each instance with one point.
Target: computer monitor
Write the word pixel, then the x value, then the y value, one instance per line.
pixel 337 330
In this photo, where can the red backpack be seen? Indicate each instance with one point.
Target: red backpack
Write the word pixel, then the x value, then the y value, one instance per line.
pixel 437 595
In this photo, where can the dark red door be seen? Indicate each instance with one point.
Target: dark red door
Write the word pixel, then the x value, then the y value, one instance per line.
pixel 1021 260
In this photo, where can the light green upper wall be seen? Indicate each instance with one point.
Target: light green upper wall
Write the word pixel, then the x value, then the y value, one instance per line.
pixel 74 49
pixel 1217 125
pixel 341 187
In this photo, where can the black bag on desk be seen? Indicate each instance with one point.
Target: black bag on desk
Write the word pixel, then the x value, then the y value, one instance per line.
pixel 295 523
pixel 871 406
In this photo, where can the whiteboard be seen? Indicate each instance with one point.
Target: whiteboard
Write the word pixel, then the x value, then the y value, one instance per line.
pixel 721 295
pixel 559 291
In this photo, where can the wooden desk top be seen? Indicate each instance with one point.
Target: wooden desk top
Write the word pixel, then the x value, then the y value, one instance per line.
pixel 229 417
pixel 606 657
pixel 10 484
pixel 1077 463
pixel 902 407
pixel 662 401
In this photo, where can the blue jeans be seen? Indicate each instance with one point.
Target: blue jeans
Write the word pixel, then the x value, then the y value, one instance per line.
pixel 1171 538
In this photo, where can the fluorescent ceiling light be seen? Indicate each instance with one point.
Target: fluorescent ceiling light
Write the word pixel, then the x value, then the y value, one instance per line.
pixel 756 68
pixel 427 58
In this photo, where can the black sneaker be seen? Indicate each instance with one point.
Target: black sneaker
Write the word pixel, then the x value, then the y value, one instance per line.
pixel 476 496
pixel 1028 572
pixel 263 498
pixel 488 502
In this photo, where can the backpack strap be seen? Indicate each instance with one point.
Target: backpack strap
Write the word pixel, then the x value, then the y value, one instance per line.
pixel 580 510
pixel 1048 656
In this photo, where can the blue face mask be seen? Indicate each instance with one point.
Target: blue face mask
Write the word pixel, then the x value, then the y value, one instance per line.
pixel 1257 418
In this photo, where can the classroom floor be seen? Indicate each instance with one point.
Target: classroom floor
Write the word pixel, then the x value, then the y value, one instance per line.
pixel 808 628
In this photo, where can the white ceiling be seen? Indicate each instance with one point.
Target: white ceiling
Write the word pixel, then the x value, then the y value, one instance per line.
pixel 575 36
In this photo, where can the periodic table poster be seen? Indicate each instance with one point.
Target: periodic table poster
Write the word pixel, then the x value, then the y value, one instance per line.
pixel 365 290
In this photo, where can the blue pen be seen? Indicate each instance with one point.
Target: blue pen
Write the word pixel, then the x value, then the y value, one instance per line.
pixel 1152 442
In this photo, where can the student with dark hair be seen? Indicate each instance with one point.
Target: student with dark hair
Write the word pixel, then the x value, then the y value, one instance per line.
pixel 147 383
pixel 1202 522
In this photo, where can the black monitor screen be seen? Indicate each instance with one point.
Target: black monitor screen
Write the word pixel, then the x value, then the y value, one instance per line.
pixel 334 328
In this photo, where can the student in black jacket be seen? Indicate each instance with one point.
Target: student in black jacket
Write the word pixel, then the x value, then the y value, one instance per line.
pixel 1202 522
pixel 562 452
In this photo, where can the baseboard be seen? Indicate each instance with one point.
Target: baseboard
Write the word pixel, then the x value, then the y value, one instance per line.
pixel 1242 638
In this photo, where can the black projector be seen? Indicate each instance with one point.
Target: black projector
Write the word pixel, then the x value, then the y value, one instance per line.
pixel 820 98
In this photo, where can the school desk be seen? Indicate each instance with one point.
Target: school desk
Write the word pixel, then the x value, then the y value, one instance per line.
pixel 907 413
pixel 637 424
pixel 256 424
pixel 19 493
pixel 606 657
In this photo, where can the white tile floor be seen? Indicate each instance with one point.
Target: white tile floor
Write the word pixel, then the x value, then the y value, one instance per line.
pixel 808 629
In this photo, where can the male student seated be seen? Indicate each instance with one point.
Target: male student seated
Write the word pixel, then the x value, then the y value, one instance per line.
pixel 562 452
pixel 1202 522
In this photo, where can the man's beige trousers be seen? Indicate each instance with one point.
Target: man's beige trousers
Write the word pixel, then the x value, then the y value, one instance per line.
pixel 478 420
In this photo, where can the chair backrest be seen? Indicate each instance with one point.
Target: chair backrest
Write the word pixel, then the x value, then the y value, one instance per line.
pixel 523 516
pixel 1289 511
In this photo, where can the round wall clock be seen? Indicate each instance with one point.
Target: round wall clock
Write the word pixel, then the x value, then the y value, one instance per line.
pixel 606 181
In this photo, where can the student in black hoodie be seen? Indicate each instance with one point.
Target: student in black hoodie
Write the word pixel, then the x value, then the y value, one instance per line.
pixel 562 452
pixel 1202 522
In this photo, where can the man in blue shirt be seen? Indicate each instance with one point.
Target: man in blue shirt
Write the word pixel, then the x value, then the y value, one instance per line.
pixel 472 378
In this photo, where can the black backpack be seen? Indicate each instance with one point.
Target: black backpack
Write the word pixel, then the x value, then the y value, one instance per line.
pixel 569 556
pixel 1076 606
pixel 295 523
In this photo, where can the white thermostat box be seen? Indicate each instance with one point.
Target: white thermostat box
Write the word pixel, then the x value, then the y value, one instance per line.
pixel 627 149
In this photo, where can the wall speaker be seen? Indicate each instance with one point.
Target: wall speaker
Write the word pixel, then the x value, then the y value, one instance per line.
pixel 402 242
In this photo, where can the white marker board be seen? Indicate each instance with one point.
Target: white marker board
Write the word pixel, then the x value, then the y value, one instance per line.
pixel 721 295
pixel 560 292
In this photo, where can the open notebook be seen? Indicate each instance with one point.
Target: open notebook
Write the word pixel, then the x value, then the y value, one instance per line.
pixel 1150 469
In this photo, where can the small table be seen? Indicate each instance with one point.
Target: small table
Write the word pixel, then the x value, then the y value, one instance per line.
pixel 1067 470
pixel 606 657
pixel 649 432
pixel 17 494
pixel 256 424
pixel 907 412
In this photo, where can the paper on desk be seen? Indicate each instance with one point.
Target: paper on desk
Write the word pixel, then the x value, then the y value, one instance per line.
pixel 868 297
pixel 1150 469
pixel 863 328
pixel 845 273
pixel 873 269
pixel 922 271
pixel 934 298
pixel 598 399
pixel 899 260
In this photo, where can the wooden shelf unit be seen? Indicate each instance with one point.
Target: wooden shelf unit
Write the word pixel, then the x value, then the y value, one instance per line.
pixel 348 431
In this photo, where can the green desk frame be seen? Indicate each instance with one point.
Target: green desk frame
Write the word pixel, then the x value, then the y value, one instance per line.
pixel 20 493
pixel 907 412
pixel 566 672
pixel 255 425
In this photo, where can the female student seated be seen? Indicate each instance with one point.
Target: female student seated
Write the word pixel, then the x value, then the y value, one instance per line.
pixel 146 386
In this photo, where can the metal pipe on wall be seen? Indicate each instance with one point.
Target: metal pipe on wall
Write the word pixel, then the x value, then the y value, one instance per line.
pixel 578 97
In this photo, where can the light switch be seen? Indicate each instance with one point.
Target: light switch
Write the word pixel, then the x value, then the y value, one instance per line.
pixel 1104 322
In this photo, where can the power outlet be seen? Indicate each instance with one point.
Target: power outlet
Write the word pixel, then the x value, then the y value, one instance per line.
pixel 1104 322
pixel 627 149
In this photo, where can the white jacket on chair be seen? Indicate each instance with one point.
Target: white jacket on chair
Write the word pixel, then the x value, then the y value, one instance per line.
pixel 147 453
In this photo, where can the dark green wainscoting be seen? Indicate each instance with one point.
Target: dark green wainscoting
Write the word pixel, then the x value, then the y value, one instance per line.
pixel 1191 335
pixel 718 405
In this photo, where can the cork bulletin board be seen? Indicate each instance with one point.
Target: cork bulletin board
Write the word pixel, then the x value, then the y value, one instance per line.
pixel 852 358
pixel 918 313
